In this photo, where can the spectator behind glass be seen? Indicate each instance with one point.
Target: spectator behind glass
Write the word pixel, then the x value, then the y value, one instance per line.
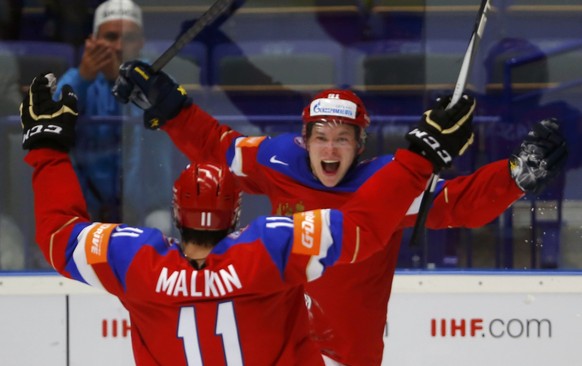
pixel 110 155
pixel 117 36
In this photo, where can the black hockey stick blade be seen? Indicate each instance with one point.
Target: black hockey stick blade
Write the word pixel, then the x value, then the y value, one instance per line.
pixel 216 14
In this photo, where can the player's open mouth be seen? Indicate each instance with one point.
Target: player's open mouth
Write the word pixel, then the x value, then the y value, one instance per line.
pixel 330 166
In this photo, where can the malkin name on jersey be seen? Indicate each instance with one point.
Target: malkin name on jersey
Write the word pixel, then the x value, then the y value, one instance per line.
pixel 185 283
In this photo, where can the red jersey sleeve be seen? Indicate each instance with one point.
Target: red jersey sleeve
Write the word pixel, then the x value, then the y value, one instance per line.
pixel 199 136
pixel 58 204
pixel 473 200
pixel 376 210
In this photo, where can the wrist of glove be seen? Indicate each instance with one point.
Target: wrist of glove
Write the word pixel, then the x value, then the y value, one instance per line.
pixel 443 134
pixel 539 158
pixel 155 92
pixel 46 123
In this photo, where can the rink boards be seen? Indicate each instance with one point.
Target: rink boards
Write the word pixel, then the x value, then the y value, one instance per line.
pixel 434 319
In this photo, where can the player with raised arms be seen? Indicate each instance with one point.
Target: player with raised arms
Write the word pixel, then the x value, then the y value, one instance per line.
pixel 218 296
pixel 320 168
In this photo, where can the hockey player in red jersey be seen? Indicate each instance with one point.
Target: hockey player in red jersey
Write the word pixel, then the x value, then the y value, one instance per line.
pixel 320 168
pixel 217 297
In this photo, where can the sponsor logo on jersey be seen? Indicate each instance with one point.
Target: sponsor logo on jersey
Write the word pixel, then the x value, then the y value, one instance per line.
pixel 333 107
pixel 307 232
pixel 97 242
pixel 252 141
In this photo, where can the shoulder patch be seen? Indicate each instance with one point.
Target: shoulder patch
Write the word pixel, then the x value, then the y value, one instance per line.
pixel 307 228
pixel 97 242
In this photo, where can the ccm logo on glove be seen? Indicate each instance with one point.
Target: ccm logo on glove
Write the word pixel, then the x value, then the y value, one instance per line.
pixel 433 144
pixel 39 129
pixel 47 123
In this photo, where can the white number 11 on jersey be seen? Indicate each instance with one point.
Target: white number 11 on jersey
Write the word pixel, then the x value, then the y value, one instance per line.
pixel 225 327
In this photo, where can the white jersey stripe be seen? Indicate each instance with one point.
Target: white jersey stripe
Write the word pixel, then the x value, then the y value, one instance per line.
pixel 314 268
pixel 132 232
pixel 133 235
pixel 129 228
pixel 279 218
pixel 80 259
pixel 278 221
pixel 415 206
pixel 273 225
pixel 236 165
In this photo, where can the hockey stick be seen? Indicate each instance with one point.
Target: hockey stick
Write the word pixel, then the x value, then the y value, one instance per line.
pixel 217 13
pixel 428 195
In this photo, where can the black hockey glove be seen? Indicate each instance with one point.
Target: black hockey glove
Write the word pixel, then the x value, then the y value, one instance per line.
pixel 156 93
pixel 46 123
pixel 444 134
pixel 539 158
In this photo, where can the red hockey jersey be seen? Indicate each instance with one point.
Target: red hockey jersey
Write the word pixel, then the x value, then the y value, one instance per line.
pixel 246 305
pixel 348 306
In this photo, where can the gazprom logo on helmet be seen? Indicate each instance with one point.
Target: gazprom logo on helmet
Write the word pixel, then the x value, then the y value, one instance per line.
pixel 333 107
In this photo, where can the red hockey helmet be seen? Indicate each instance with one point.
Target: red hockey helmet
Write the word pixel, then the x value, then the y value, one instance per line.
pixel 205 197
pixel 337 105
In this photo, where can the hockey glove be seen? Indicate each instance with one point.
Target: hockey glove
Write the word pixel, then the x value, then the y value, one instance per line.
pixel 46 123
pixel 444 134
pixel 156 93
pixel 539 158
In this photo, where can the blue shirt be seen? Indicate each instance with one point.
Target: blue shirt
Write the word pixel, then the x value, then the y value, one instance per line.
pixel 94 97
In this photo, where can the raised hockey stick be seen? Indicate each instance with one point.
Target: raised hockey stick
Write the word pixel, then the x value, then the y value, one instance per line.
pixel 428 195
pixel 217 13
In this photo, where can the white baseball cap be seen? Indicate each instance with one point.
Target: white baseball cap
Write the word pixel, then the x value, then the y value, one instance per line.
pixel 114 10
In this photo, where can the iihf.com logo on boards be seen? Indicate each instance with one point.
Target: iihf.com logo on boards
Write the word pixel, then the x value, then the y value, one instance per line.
pixel 516 328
